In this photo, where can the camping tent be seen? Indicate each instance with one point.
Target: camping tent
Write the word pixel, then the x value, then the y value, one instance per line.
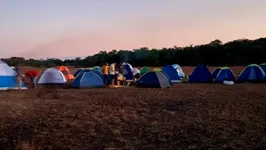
pixel 263 67
pixel 179 70
pixel 91 70
pixel 8 78
pixel 12 67
pixel 201 74
pixel 225 74
pixel 98 68
pixel 135 71
pixel 252 73
pixel 66 72
pixel 215 72
pixel 124 63
pixel 88 80
pixel 157 69
pixel 127 72
pixel 77 72
pixel 154 80
pixel 143 70
pixel 172 73
pixel 52 76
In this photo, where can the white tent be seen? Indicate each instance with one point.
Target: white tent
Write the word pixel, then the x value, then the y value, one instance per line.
pixel 135 71
pixel 179 70
pixel 8 78
pixel 52 76
pixel 130 66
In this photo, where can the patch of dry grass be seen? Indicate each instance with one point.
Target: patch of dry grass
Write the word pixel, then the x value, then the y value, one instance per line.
pixel 187 116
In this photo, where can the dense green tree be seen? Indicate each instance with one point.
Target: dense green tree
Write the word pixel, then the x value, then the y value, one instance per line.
pixel 237 52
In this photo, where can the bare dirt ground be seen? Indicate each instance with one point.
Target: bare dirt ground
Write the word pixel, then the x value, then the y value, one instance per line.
pixel 186 116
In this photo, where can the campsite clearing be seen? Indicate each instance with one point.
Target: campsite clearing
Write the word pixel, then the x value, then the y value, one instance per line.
pixel 185 116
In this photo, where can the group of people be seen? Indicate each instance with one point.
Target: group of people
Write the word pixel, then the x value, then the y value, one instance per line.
pixel 115 71
pixel 31 76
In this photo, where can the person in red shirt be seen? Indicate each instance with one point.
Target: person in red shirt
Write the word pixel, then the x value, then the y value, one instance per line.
pixel 32 75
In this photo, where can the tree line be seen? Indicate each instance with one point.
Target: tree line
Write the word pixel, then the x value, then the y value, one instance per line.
pixel 237 52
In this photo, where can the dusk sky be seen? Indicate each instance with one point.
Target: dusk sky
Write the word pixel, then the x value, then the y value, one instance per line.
pixel 65 28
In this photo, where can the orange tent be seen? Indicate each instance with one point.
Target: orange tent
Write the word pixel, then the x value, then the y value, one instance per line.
pixel 66 72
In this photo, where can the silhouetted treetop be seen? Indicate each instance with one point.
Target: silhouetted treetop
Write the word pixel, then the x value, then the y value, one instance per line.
pixel 237 52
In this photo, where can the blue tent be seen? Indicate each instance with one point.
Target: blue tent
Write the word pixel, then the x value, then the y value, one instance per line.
pixel 98 68
pixel 252 73
pixel 8 78
pixel 172 73
pixel 215 72
pixel 154 80
pixel 263 67
pixel 88 80
pixel 127 72
pixel 77 72
pixel 179 70
pixel 169 80
pixel 225 74
pixel 92 70
pixel 201 74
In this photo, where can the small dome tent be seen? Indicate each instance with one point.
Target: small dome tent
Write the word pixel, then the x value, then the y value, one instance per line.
pixel 12 67
pixel 127 72
pixel 201 74
pixel 52 76
pixel 135 71
pixel 154 80
pixel 91 70
pixel 263 67
pixel 8 78
pixel 143 70
pixel 98 68
pixel 179 70
pixel 88 80
pixel 225 74
pixel 157 69
pixel 66 72
pixel 252 73
pixel 78 71
pixel 215 72
pixel 172 73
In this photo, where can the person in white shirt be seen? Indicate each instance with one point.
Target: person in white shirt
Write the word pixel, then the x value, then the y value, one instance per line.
pixel 112 73
pixel 19 78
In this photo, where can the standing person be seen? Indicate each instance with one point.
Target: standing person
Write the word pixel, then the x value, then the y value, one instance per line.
pixel 105 70
pixel 32 75
pixel 19 78
pixel 112 73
